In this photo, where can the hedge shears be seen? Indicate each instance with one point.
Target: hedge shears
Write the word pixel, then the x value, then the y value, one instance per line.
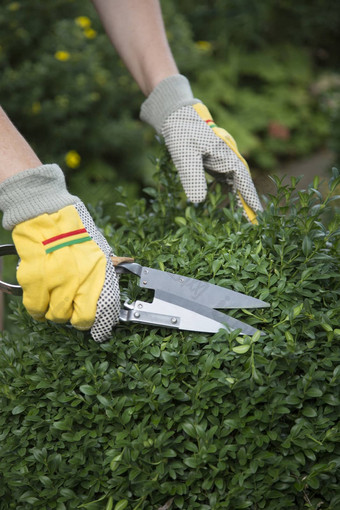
pixel 179 301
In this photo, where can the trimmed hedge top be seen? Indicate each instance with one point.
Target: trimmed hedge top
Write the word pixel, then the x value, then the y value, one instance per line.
pixel 157 418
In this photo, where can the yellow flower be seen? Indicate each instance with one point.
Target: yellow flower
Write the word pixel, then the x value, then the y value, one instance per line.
pixel 83 21
pixel 90 33
pixel 62 55
pixel 13 6
pixel 72 159
pixel 36 107
pixel 204 45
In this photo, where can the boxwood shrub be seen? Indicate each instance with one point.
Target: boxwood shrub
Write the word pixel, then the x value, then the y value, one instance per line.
pixel 157 418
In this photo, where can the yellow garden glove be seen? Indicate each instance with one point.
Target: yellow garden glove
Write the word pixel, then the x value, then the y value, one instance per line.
pixel 65 268
pixel 196 144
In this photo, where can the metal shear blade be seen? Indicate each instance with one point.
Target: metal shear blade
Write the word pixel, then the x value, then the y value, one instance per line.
pixel 191 289
pixel 167 314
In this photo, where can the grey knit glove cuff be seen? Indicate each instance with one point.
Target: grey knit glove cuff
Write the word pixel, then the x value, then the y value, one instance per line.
pixel 33 192
pixel 169 95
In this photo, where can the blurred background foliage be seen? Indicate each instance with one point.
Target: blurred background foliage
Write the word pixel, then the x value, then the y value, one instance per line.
pixel 268 71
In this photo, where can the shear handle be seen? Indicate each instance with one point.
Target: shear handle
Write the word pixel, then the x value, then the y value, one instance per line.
pixel 9 288
pixel 126 265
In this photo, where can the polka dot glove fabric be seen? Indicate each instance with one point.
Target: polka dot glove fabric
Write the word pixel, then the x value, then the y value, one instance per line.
pixel 196 144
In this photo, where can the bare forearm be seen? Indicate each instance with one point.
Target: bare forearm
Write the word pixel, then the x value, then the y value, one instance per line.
pixel 136 29
pixel 15 153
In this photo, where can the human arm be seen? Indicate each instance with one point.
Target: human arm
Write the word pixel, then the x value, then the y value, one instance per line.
pixel 65 268
pixel 196 144
pixel 16 154
pixel 136 30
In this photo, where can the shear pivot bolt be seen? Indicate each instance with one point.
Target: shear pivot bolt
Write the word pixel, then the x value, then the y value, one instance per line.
pixel 145 282
pixel 173 320
pixel 140 305
pixel 136 314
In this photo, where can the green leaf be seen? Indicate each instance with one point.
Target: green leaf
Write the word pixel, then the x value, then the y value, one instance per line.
pixel 67 493
pixel 307 245
pixel 299 456
pixel 87 389
pixel 155 351
pixel 331 400
pixel 103 400
pixel 18 409
pixel 256 336
pixel 313 392
pixel 39 455
pixel 150 191
pixel 123 503
pixel 241 349
pixel 310 412
pixel 74 437
pixel 65 424
pixel 109 504
pixel 191 462
pixel 169 358
pixel 115 462
pixel 180 221
pixel 297 310
pixel 189 429
pixel 91 503
pixel 219 483
pixel 290 339
pixel 216 266
pixel 336 371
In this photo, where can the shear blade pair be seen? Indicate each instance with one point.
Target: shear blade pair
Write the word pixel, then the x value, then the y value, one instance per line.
pixel 185 303
pixel 179 302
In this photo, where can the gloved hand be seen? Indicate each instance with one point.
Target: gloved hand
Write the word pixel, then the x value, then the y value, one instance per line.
pixel 65 268
pixel 196 144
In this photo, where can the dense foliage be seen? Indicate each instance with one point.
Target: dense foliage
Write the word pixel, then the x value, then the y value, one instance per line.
pixel 157 418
